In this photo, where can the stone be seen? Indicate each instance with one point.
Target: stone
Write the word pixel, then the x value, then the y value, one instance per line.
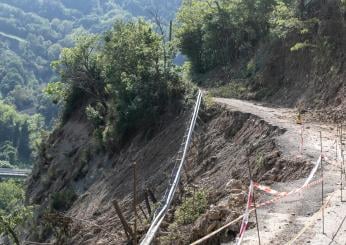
pixel 234 184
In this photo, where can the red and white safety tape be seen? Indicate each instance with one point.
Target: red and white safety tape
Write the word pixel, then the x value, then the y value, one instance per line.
pixel 244 224
pixel 269 190
pixel 285 194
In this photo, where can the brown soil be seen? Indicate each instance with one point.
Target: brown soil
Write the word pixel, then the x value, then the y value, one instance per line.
pixel 223 144
pixel 281 222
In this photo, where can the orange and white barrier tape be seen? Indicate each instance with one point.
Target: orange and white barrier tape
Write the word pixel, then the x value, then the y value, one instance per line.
pixel 266 189
pixel 206 237
pixel 269 190
pixel 313 171
pixel 285 194
pixel 244 224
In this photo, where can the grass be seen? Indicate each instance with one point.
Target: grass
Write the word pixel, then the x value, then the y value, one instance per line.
pixel 230 90
pixel 192 208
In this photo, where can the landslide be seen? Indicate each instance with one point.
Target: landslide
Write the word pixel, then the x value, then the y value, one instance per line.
pixel 76 180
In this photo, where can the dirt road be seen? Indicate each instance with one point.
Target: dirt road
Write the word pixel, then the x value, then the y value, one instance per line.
pixel 299 214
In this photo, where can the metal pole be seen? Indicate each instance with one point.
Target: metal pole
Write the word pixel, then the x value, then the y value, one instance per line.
pixel 254 201
pixel 135 202
pixel 322 183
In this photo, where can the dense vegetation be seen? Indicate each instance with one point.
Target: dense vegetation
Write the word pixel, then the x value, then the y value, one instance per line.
pixel 19 134
pixel 12 210
pixel 218 33
pixel 126 77
pixel 32 34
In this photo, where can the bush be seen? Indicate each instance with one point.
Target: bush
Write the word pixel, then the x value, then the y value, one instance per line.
pixel 62 201
pixel 230 90
pixel 5 164
pixel 191 208
pixel 125 76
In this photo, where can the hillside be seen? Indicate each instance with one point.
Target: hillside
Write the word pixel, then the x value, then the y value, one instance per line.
pixel 292 55
pixel 137 156
pixel 32 35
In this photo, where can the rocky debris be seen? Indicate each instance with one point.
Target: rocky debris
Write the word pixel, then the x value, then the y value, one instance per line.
pixel 234 184
pixel 209 222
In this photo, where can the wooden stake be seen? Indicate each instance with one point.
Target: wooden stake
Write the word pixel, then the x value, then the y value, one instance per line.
pixel 127 228
pixel 135 202
pixel 147 203
pixel 342 159
pixel 254 201
pixel 339 139
pixel 322 183
pixel 152 196
pixel 142 210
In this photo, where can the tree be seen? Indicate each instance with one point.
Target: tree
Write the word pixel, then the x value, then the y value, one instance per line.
pixel 79 65
pixel 12 210
pixel 126 75
pixel 215 33
pixel 133 58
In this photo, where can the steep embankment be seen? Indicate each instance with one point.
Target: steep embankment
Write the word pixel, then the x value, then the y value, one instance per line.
pixel 79 180
pixel 297 218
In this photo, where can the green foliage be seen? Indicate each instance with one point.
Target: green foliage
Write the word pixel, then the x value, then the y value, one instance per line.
pixel 191 208
pixel 5 164
pixel 231 90
pixel 93 114
pixel 62 201
pixel 34 32
pixel 283 20
pixel 18 134
pixel 57 91
pixel 260 161
pixel 136 77
pixel 300 46
pixel 126 76
pixel 12 210
pixel 286 18
pixel 11 193
pixel 213 34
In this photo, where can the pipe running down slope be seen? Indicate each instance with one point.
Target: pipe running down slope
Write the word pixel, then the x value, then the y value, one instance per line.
pixel 161 215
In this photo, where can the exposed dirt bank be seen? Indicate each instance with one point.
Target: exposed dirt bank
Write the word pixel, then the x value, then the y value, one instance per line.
pixel 224 141
pixel 281 222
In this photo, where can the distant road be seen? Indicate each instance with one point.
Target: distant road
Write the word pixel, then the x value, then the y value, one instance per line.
pixel 19 39
pixel 14 173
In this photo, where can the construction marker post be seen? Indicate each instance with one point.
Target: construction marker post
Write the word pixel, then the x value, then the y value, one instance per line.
pixel 254 202
pixel 322 185
pixel 301 147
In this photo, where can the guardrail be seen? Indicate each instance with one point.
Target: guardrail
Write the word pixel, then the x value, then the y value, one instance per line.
pixel 14 173
pixel 168 197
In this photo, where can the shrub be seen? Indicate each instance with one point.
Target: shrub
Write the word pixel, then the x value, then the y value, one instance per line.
pixel 5 164
pixel 62 201
pixel 192 208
